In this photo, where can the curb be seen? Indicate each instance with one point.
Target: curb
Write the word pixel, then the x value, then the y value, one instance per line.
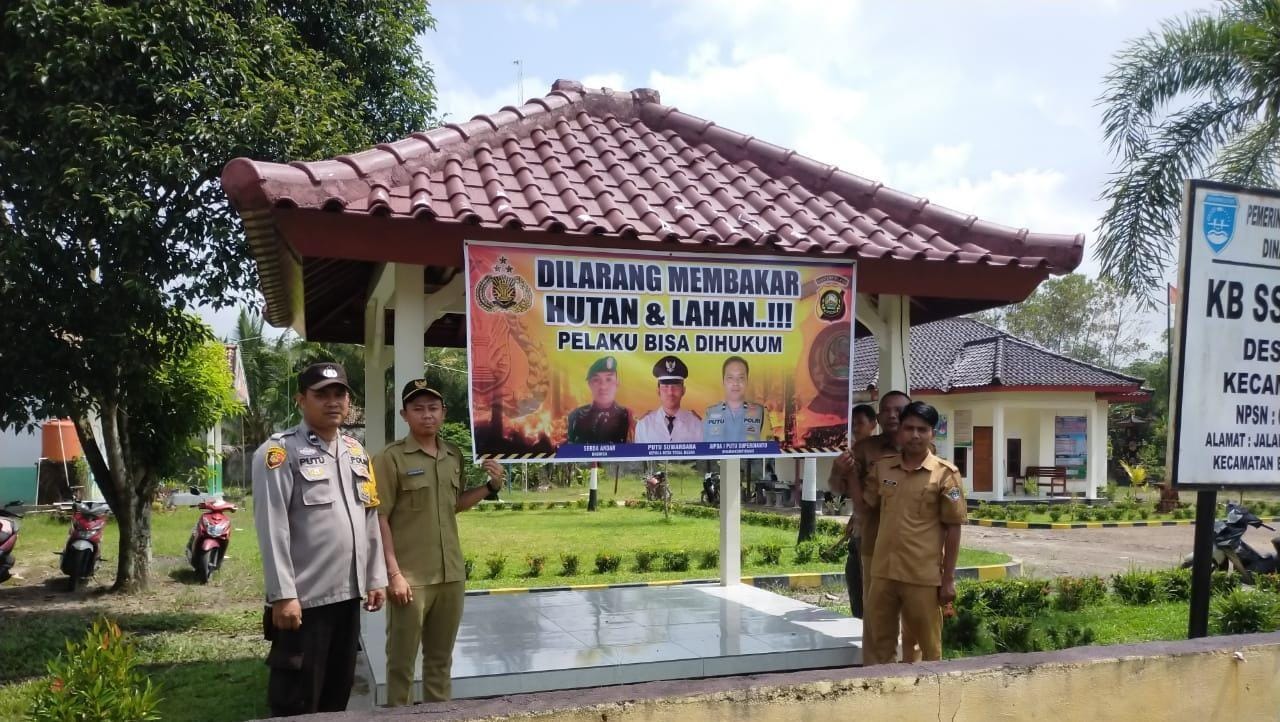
pixel 1002 524
pixel 804 580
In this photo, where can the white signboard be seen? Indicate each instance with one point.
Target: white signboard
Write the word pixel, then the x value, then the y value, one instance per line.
pixel 1226 406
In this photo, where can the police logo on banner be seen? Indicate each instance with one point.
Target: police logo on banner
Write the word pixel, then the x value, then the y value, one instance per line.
pixel 831 304
pixel 1219 220
pixel 503 291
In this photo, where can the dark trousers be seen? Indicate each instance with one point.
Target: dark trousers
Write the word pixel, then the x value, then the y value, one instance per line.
pixel 313 667
pixel 853 577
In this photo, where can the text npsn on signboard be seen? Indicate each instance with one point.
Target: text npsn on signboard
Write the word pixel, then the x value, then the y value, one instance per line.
pixel 584 354
pixel 1226 411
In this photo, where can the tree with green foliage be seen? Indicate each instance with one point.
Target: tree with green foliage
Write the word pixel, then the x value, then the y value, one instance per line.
pixel 1088 320
pixel 1196 98
pixel 117 120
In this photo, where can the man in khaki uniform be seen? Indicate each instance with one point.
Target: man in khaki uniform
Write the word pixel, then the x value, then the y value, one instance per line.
pixel 863 423
pixel 921 503
pixel 420 488
pixel 847 473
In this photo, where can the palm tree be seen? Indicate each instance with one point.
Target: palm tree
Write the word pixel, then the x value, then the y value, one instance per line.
pixel 1200 96
pixel 268 371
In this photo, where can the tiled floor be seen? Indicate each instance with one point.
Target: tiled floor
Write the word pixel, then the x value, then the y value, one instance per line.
pixel 510 644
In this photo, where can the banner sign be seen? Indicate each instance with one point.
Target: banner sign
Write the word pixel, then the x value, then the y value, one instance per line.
pixel 1071 445
pixel 581 354
pixel 1225 430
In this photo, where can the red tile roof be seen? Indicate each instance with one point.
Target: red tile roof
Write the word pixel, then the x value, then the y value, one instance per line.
pixel 594 162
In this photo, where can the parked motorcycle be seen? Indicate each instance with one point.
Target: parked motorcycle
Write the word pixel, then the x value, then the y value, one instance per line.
pixel 210 539
pixel 1230 549
pixel 9 517
pixel 711 488
pixel 81 554
pixel 656 487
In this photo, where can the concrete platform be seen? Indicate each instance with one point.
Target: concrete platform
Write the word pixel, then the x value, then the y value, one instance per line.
pixel 518 643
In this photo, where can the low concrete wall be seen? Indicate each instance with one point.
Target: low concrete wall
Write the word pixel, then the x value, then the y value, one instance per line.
pixel 1220 678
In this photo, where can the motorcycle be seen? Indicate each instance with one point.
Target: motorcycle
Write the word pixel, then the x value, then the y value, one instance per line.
pixel 656 487
pixel 1230 549
pixel 81 554
pixel 8 537
pixel 210 539
pixel 711 488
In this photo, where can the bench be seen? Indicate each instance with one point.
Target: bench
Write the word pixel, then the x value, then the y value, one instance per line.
pixel 1057 476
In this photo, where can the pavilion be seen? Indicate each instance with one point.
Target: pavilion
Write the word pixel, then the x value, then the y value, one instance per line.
pixel 367 248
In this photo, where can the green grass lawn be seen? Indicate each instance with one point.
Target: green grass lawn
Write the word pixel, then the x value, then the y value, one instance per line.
pixel 549 533
pixel 202 644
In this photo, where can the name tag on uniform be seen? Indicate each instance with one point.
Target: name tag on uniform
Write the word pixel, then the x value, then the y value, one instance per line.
pixel 889 482
pixel 311 461
pixel 415 472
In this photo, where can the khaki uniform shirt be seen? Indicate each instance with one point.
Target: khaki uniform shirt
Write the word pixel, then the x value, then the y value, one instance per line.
pixel 865 454
pixel 419 495
pixel 914 505
pixel 314 509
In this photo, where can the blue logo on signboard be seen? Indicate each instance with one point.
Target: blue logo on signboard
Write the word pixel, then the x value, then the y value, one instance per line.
pixel 1219 220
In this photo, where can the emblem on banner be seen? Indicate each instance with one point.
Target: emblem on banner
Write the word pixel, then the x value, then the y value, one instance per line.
pixel 1219 220
pixel 831 304
pixel 502 291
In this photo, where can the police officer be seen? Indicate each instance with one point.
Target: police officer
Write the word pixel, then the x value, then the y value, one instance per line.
pixel 921 503
pixel 602 420
pixel 669 423
pixel 314 507
pixel 735 418
pixel 421 487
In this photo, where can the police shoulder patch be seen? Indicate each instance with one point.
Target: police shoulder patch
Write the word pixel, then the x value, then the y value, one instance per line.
pixel 953 493
pixel 369 493
pixel 276 457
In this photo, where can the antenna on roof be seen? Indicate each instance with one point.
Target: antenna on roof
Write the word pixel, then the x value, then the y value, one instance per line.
pixel 519 79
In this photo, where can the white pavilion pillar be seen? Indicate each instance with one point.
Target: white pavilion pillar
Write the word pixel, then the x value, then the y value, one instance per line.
pixel 895 343
pixel 410 329
pixel 375 390
pixel 730 522
pixel 1096 469
pixel 998 448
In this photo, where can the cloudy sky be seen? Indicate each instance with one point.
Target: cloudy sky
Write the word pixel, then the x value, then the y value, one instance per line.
pixel 985 106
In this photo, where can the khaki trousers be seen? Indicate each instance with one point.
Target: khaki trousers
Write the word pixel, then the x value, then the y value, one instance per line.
pixel 910 649
pixel 430 620
pixel 917 607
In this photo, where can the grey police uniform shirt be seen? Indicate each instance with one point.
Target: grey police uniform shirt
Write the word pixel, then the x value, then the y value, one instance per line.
pixel 317 523
pixel 745 423
pixel 652 428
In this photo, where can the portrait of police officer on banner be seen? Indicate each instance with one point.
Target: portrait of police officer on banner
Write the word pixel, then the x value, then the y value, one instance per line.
pixel 669 423
pixel 602 420
pixel 735 418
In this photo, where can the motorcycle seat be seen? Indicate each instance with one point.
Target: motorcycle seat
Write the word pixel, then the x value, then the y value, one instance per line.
pixel 217 505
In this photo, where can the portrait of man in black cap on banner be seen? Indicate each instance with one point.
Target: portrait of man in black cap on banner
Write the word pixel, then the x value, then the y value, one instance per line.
pixel 602 420
pixel 669 423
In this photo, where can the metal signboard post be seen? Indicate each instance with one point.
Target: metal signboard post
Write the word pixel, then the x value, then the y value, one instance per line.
pixel 1225 407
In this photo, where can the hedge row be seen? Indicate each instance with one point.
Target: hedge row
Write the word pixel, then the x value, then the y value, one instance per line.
pixel 824 549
